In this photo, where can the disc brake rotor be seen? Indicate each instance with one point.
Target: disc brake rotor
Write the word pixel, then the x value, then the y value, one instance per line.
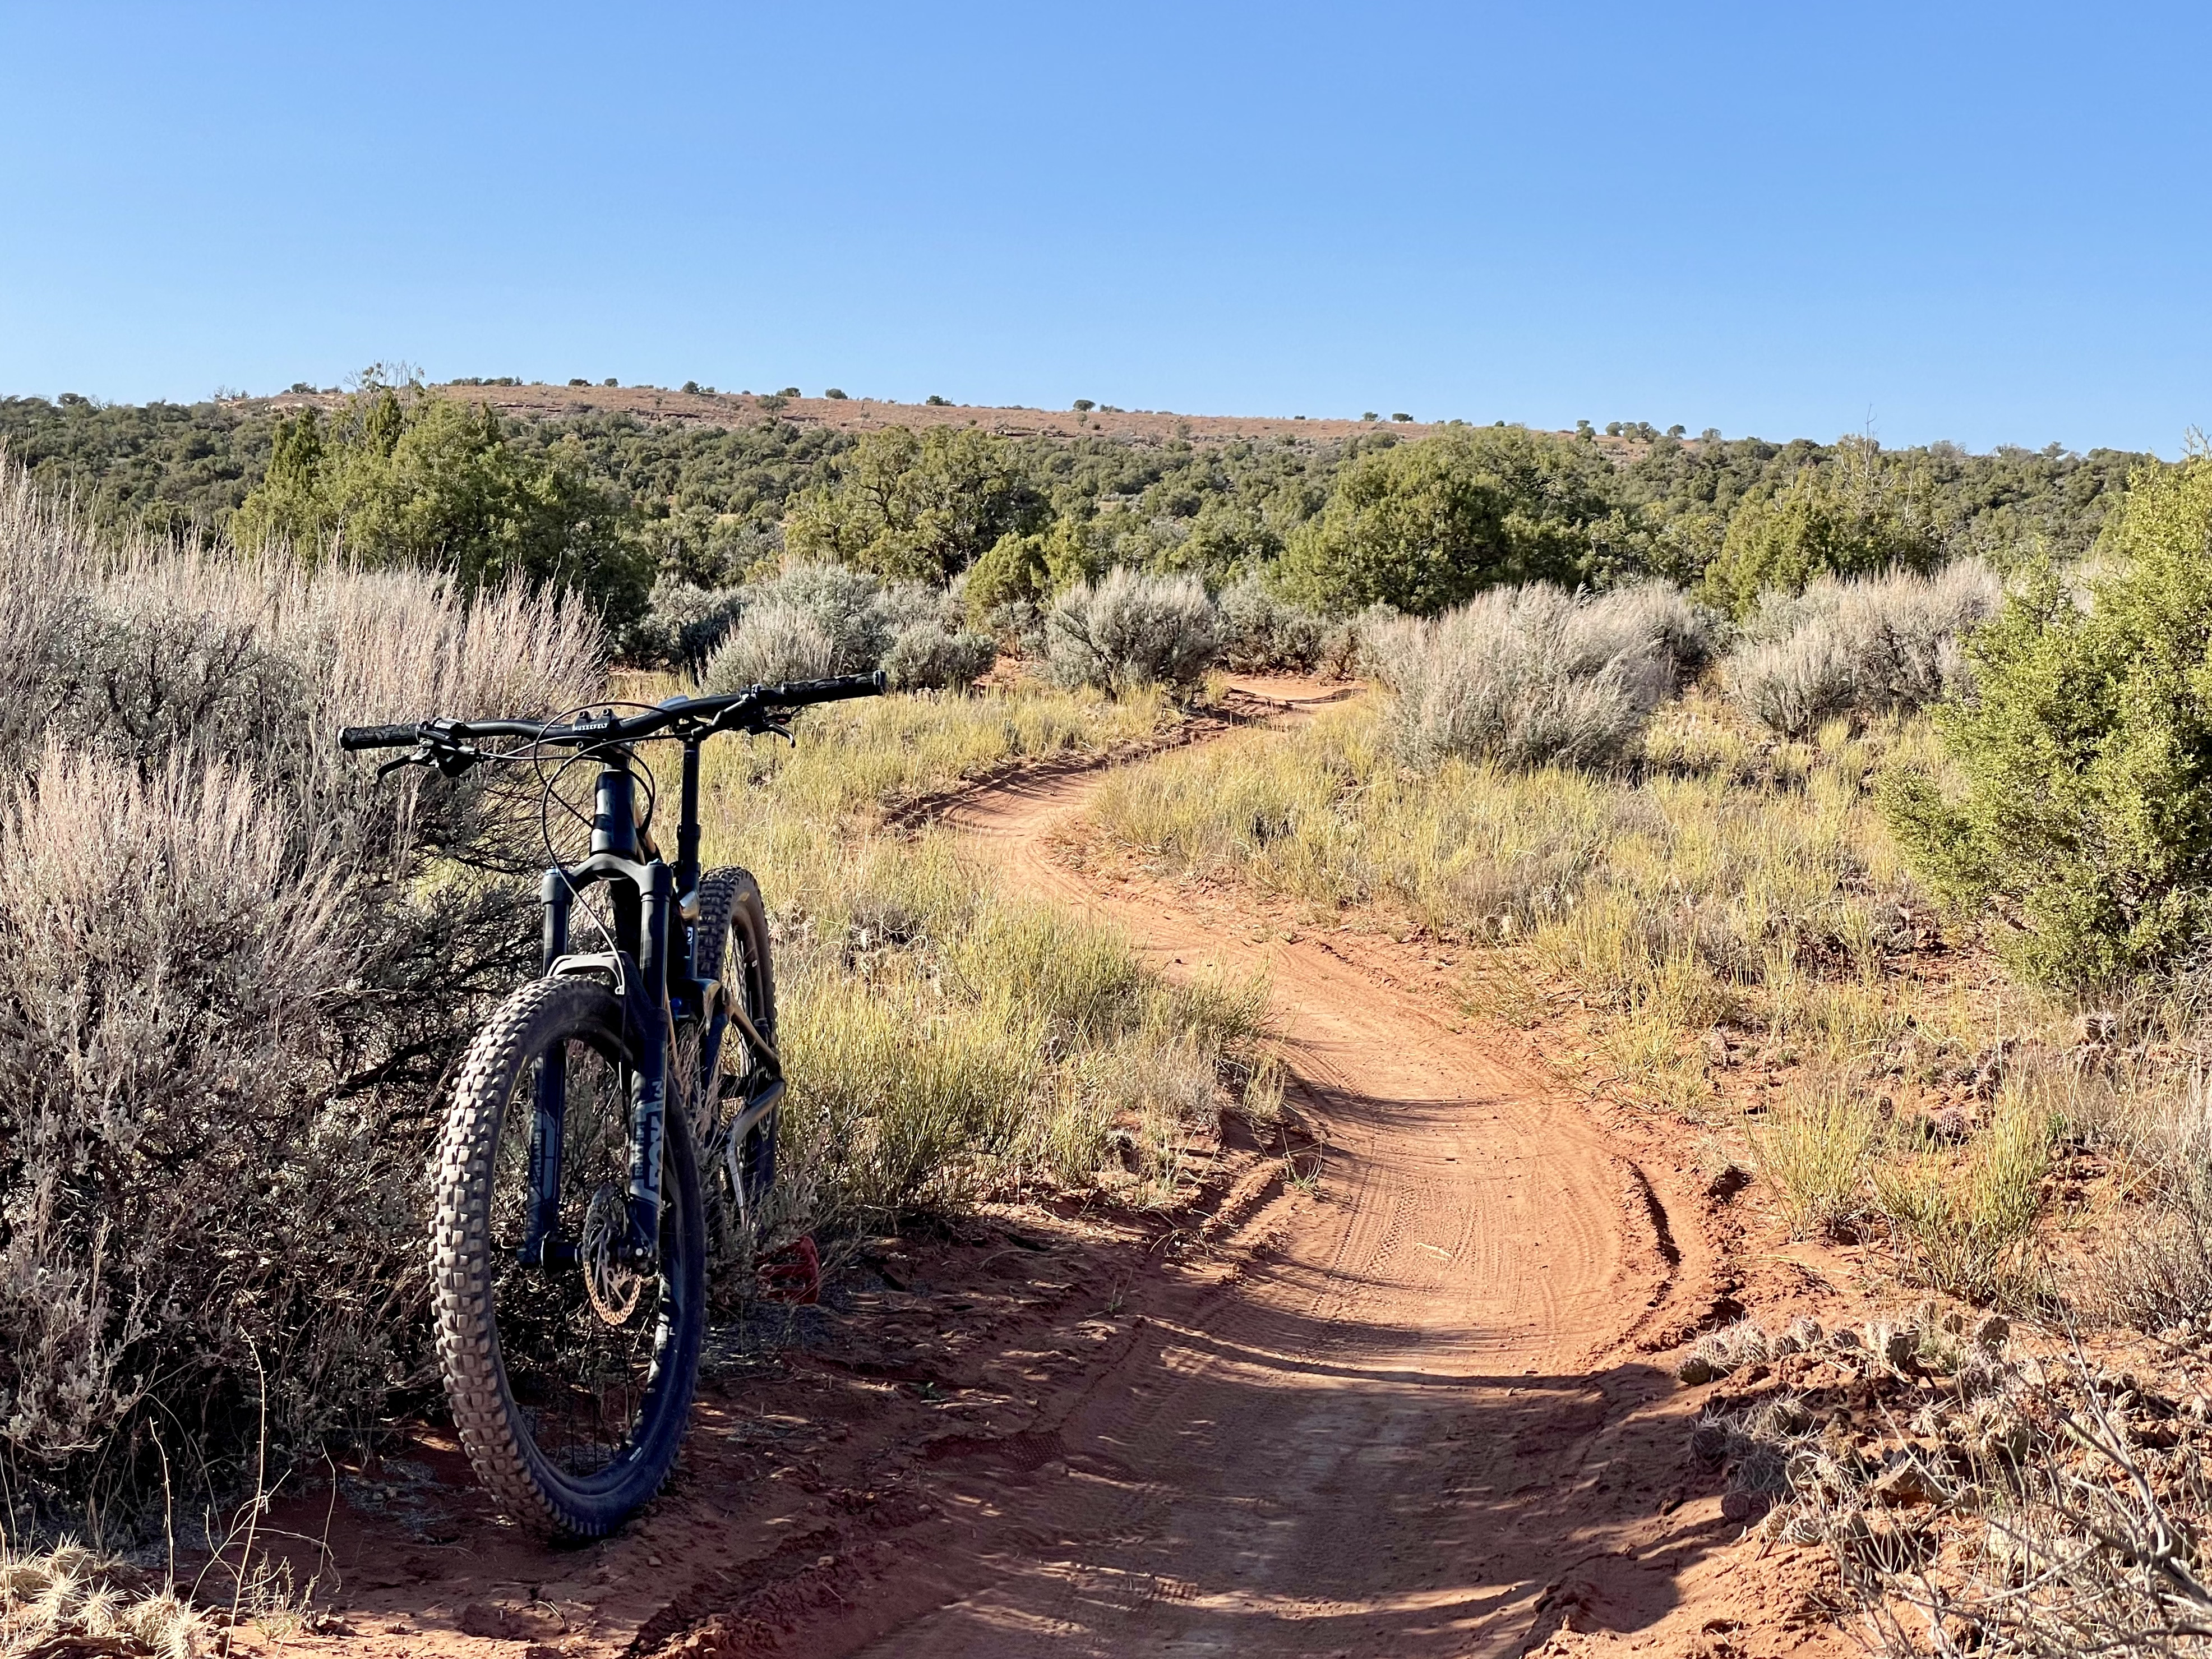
pixel 612 1285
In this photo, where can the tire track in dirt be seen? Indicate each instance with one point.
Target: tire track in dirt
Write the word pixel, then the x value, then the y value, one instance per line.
pixel 1366 1438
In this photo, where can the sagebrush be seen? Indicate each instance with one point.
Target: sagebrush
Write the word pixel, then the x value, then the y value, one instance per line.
pixel 1860 648
pixel 224 1000
pixel 1127 631
pixel 1533 674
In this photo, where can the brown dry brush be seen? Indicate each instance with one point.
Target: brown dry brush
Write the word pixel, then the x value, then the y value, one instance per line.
pixel 1975 1500
pixel 232 969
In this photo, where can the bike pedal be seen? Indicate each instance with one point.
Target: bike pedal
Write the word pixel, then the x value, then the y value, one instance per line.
pixel 792 1274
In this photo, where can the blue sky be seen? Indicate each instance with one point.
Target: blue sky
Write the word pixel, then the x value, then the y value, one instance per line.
pixel 1984 223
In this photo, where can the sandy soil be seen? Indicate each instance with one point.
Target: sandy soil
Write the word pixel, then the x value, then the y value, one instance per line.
pixel 1396 1393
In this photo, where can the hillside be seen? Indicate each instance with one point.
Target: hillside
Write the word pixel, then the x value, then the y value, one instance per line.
pixel 658 406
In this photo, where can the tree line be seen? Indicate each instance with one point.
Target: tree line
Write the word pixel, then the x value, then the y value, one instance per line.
pixel 612 504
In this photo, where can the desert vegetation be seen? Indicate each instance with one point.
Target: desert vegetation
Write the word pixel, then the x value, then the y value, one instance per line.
pixel 1838 805
pixel 1884 883
pixel 615 503
pixel 239 969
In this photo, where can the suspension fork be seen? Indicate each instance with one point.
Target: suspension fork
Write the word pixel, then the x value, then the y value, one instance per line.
pixel 649 1023
pixel 550 1099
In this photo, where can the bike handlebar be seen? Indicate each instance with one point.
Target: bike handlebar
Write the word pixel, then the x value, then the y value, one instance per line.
pixel 703 715
pixel 379 736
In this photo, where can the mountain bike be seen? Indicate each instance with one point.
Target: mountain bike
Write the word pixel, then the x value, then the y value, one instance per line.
pixel 608 1120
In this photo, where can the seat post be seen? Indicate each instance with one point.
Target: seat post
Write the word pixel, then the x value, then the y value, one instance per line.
pixel 687 827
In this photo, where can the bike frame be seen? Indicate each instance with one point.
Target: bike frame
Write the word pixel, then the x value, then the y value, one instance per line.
pixel 654 906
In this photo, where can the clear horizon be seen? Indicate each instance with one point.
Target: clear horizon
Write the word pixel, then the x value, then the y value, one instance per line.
pixel 1980 226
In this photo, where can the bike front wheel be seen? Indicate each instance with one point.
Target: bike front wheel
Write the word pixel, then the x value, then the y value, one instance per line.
pixel 570 1367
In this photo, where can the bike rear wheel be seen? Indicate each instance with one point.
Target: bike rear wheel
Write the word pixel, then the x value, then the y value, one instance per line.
pixel 729 944
pixel 571 1381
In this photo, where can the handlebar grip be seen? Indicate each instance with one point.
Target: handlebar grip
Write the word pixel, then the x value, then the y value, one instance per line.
pixel 379 736
pixel 794 694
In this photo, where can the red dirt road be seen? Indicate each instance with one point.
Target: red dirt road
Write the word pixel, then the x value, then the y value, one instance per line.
pixel 1406 1407
pixel 1384 1432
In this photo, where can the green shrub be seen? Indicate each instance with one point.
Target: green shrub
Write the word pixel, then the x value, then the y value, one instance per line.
pixel 926 506
pixel 416 479
pixel 1030 569
pixel 2082 816
pixel 1425 525
pixel 1857 514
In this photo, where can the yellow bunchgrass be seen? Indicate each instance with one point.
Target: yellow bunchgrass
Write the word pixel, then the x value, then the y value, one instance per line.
pixel 947 1039
pixel 1729 879
pixel 1815 1147
pixel 1965 1221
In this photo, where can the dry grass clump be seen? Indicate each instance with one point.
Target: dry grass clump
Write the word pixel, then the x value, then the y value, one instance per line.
pixel 2154 1119
pixel 71 1600
pixel 1961 1200
pixel 224 1000
pixel 1128 630
pixel 1533 675
pixel 1676 900
pixel 1815 1147
pixel 1966 1222
pixel 1860 648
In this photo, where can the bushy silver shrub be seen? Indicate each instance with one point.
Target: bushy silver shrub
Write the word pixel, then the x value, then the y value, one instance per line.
pixel 925 658
pixel 849 607
pixel 1347 645
pixel 1128 630
pixel 775 640
pixel 224 1005
pixel 1859 648
pixel 683 624
pixel 818 619
pixel 1684 633
pixel 1260 631
pixel 1533 674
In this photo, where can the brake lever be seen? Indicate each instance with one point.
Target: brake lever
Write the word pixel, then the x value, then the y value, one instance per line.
pixel 452 760
pixel 771 728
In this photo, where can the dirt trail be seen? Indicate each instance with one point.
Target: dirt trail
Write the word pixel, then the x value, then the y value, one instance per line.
pixel 1384 1432
pixel 1404 1408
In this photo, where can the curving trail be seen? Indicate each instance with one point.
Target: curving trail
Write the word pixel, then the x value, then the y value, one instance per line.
pixel 1401 1420
pixel 1401 1409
